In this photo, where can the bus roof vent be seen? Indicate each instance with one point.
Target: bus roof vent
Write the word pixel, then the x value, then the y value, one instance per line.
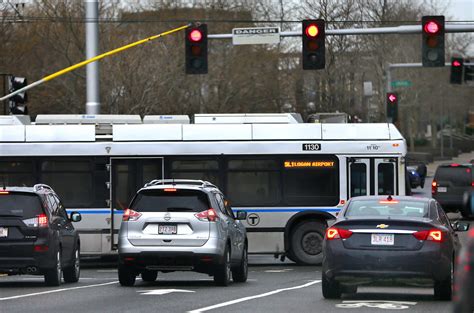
pixel 166 119
pixel 103 122
pixel 248 118
pixel 15 120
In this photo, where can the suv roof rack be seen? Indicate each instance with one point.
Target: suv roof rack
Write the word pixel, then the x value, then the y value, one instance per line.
pixel 201 183
pixel 39 187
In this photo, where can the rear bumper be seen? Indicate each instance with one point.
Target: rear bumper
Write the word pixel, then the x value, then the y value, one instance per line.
pixel 370 266
pixel 172 258
pixel 35 264
pixel 449 203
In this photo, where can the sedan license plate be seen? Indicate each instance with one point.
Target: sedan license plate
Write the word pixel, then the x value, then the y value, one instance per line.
pixel 167 229
pixel 3 232
pixel 442 189
pixel 383 239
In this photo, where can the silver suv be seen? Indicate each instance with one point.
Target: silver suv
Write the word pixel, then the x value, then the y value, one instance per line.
pixel 182 225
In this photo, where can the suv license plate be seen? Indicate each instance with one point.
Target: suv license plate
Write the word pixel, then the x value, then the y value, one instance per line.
pixel 167 229
pixel 3 232
pixel 382 239
pixel 442 189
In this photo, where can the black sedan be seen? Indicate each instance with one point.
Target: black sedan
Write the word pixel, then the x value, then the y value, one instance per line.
pixel 390 240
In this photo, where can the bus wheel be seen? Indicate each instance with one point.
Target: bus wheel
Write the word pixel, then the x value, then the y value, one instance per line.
pixel 307 243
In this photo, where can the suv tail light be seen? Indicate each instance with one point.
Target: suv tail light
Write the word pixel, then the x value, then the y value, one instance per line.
pixel 130 215
pixel 431 235
pixel 38 221
pixel 337 233
pixel 434 187
pixel 209 215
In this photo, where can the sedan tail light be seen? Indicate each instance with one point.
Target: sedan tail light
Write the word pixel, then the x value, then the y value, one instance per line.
pixel 434 187
pixel 208 215
pixel 431 235
pixel 337 233
pixel 130 215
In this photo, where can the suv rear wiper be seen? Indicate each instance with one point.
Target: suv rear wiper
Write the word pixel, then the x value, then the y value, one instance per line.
pixel 177 209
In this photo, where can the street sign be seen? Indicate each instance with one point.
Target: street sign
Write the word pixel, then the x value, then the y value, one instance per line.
pixel 401 83
pixel 255 35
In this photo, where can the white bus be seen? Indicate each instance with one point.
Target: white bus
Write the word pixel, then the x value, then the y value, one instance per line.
pixel 291 177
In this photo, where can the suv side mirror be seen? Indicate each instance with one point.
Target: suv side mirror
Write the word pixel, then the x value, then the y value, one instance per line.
pixel 241 215
pixel 461 226
pixel 76 216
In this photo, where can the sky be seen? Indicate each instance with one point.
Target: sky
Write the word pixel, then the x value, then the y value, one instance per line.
pixel 461 10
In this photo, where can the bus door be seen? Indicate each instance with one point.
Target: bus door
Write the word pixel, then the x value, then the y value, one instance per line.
pixel 359 177
pixel 385 181
pixel 372 176
pixel 127 175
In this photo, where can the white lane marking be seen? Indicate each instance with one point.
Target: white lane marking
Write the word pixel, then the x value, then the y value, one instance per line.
pixel 379 304
pixel 56 290
pixel 285 270
pixel 220 305
pixel 161 292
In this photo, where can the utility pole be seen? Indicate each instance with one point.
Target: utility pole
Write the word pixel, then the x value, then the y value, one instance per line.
pixel 92 49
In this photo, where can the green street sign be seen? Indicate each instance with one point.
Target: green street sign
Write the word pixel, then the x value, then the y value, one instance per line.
pixel 401 83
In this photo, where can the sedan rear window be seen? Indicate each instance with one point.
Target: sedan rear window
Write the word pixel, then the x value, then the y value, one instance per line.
pixel 24 205
pixel 174 200
pixel 382 208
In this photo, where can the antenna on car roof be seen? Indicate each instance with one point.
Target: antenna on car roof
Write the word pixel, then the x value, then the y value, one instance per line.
pixel 389 198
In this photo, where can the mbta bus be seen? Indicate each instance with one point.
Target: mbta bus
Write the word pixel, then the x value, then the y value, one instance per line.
pixel 291 177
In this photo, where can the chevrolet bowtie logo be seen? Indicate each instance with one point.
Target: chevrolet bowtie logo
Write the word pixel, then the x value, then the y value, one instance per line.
pixel 382 226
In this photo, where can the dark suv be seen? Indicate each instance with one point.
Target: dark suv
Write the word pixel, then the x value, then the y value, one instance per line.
pixel 450 183
pixel 37 236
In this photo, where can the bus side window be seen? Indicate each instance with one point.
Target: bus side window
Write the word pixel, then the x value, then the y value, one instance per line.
pixel 358 179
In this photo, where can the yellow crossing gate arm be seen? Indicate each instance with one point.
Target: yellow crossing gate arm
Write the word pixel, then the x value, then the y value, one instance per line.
pixel 96 58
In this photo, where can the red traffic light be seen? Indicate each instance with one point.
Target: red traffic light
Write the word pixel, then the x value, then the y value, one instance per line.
pixel 195 35
pixel 392 97
pixel 431 27
pixel 456 63
pixel 312 30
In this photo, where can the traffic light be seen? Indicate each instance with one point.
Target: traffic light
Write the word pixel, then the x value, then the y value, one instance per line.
pixel 196 49
pixel 313 44
pixel 392 106
pixel 457 65
pixel 17 103
pixel 432 47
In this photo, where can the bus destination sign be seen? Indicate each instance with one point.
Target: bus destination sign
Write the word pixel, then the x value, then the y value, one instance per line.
pixel 308 163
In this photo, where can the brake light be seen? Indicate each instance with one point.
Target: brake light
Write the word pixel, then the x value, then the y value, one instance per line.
pixel 434 188
pixel 454 165
pixel 4 192
pixel 388 202
pixel 42 220
pixel 130 215
pixel 431 235
pixel 337 233
pixel 41 248
pixel 170 189
pixel 209 215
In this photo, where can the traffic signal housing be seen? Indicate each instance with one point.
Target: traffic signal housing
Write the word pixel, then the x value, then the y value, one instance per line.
pixel 392 106
pixel 432 47
pixel 457 65
pixel 314 47
pixel 17 103
pixel 196 49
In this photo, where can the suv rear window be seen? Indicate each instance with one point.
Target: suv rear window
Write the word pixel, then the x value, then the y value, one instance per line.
pixel 456 175
pixel 23 205
pixel 170 201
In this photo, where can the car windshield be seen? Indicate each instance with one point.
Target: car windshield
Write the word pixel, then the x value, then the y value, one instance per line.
pixel 385 208
pixel 170 201
pixel 20 205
